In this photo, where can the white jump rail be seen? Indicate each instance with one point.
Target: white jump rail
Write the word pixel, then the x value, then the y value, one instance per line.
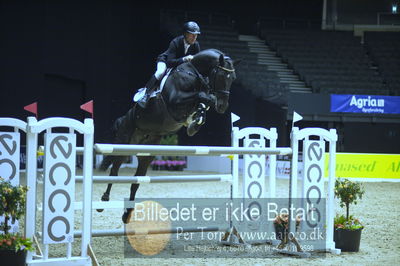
pixel 159 179
pixel 175 230
pixel 148 150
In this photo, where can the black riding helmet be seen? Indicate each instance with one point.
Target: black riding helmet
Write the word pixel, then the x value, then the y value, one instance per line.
pixel 191 27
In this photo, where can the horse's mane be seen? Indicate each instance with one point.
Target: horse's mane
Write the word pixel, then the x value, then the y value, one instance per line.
pixel 209 51
pixel 209 56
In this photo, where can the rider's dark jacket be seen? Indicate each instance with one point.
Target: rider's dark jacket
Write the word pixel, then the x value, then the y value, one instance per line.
pixel 176 51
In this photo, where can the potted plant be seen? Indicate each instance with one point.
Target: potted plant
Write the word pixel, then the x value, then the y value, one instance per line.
pixel 13 246
pixel 170 163
pixel 347 233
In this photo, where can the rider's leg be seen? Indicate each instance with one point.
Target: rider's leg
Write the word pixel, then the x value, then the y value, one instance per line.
pixel 161 68
pixel 153 83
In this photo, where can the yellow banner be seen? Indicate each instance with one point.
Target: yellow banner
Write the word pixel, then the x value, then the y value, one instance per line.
pixel 363 165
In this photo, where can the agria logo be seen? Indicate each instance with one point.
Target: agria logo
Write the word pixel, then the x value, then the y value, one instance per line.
pixel 366 102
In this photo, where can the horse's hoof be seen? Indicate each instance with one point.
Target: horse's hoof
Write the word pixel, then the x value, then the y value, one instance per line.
pixel 105 197
pixel 126 217
pixel 200 120
pixel 192 129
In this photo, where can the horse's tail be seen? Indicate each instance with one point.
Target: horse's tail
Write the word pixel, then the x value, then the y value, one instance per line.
pixel 122 131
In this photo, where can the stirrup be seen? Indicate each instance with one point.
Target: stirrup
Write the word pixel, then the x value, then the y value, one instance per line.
pixel 142 102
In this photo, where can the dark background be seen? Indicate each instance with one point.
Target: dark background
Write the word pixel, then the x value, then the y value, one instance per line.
pixel 65 53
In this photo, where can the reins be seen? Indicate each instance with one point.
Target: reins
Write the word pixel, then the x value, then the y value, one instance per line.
pixel 226 69
pixel 201 77
pixel 207 84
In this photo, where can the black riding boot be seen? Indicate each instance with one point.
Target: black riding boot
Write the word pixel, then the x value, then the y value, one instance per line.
pixel 150 87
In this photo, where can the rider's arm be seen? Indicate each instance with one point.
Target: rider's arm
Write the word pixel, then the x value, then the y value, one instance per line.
pixel 172 58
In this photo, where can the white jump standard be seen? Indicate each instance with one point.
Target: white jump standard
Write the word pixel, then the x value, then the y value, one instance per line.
pixel 59 153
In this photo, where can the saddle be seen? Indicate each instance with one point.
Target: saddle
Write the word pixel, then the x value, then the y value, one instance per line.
pixel 142 91
pixel 160 112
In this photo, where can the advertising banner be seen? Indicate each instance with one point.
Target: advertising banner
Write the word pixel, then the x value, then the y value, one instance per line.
pixel 366 104
pixel 363 165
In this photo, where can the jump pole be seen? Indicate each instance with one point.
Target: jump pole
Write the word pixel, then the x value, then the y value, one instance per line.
pixel 159 179
pixel 175 230
pixel 148 150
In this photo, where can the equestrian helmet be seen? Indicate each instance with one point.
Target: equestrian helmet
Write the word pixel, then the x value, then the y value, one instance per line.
pixel 191 27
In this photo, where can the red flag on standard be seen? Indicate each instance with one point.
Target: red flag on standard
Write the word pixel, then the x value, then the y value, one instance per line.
pixel 88 107
pixel 32 108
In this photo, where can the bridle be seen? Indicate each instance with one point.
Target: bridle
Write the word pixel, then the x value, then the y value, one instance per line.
pixel 214 74
pixel 210 84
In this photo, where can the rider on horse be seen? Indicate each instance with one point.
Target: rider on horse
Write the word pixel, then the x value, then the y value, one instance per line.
pixel 181 49
pixel 205 80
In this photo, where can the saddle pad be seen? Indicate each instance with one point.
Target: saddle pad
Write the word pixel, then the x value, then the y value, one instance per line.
pixel 163 81
pixel 142 91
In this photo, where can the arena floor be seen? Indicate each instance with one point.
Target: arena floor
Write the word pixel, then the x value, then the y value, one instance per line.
pixel 378 210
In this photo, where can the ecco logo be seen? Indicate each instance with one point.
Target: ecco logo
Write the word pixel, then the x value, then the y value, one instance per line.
pixel 255 169
pixel 313 162
pixel 60 165
pixel 7 151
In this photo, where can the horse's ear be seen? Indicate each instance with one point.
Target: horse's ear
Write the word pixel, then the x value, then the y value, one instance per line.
pixel 221 60
pixel 237 61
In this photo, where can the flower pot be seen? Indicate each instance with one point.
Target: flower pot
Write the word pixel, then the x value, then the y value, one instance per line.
pixel 347 240
pixel 12 258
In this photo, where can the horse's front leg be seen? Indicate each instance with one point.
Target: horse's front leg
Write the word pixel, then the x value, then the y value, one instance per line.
pixel 196 120
pixel 207 99
pixel 143 164
pixel 199 117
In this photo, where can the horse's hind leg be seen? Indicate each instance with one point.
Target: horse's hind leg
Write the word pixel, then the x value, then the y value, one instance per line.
pixel 143 164
pixel 113 172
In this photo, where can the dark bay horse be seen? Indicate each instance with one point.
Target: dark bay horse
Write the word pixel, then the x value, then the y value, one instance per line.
pixel 203 82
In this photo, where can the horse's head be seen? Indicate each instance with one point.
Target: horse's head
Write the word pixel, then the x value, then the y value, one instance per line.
pixel 220 72
pixel 221 78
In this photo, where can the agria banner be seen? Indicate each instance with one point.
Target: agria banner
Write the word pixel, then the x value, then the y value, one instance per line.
pixel 365 104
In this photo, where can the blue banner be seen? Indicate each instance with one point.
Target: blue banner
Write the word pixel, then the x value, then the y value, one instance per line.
pixel 367 104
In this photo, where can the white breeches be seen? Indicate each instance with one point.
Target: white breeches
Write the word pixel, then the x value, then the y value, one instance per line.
pixel 161 68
